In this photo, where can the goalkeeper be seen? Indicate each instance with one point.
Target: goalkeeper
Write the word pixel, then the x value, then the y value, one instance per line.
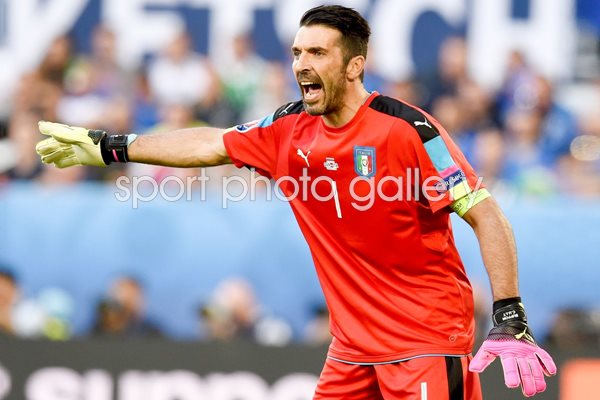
pixel 401 306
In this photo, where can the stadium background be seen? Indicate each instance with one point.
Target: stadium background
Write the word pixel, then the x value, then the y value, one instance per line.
pixel 516 82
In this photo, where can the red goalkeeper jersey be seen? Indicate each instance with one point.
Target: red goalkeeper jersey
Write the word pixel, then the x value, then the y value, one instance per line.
pixel 372 200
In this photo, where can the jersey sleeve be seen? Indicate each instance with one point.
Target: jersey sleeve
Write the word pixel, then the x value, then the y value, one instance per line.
pixel 254 145
pixel 445 174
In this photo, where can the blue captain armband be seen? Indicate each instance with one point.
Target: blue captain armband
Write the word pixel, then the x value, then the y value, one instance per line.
pixel 468 201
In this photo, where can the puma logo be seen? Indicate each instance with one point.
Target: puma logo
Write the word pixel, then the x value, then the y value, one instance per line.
pixel 524 335
pixel 304 156
pixel 285 110
pixel 421 123
pixel 520 335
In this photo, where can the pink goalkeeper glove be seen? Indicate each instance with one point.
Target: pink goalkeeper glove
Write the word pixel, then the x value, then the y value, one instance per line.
pixel 523 362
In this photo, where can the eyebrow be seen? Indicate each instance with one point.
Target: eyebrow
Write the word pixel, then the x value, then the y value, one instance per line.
pixel 310 49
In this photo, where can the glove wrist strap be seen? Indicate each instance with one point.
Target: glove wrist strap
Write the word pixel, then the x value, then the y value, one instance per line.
pixel 505 302
pixel 514 311
pixel 114 148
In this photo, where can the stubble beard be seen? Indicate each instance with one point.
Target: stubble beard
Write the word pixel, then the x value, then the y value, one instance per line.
pixel 333 99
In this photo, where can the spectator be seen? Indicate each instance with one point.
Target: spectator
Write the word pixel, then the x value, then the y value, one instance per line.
pixel 408 90
pixel 9 292
pixel 57 60
pixel 96 86
pixel 518 88
pixel 122 314
pixel 558 126
pixel 273 89
pixel 58 307
pixel 47 316
pixel 233 312
pixel 181 76
pixel 109 79
pixel 477 105
pixel 449 111
pixel 524 91
pixel 524 158
pixel 465 114
pixel 81 103
pixel 452 70
pixel 488 157
pixel 111 319
pixel 241 76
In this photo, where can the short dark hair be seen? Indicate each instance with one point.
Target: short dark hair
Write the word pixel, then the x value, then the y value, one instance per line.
pixel 354 27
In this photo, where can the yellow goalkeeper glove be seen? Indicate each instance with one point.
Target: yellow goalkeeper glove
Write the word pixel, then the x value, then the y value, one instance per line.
pixel 71 145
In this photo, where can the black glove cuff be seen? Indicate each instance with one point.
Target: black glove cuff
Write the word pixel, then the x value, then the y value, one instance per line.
pixel 505 302
pixel 116 146
pixel 112 147
pixel 508 311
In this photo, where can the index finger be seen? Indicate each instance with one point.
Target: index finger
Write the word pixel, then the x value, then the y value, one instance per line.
pixel 48 128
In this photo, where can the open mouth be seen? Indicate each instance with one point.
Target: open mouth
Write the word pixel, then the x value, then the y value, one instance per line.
pixel 311 91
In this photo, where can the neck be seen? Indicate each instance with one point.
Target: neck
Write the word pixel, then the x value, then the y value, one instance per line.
pixel 354 98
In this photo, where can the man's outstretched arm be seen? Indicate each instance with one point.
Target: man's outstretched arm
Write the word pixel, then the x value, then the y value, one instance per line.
pixel 193 147
pixel 523 361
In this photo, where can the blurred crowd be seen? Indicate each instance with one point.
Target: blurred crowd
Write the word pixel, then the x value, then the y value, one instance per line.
pixel 525 137
pixel 177 88
pixel 231 312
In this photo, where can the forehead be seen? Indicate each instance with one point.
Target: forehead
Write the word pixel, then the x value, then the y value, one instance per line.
pixel 317 36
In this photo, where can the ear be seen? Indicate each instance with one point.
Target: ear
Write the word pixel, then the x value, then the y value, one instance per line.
pixel 355 67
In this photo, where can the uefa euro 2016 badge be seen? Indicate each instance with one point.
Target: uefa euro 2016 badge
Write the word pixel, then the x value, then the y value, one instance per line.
pixel 364 161
pixel 243 128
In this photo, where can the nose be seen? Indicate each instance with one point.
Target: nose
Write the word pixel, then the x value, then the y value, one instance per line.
pixel 301 63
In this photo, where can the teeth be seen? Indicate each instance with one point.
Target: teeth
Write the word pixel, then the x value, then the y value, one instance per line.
pixel 307 83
